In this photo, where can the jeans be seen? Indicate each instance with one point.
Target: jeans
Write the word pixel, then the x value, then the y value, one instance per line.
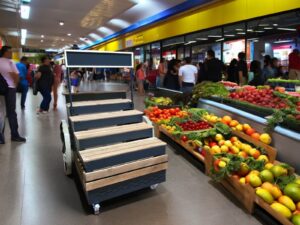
pixel 10 103
pixel 187 89
pixel 45 104
pixel 24 95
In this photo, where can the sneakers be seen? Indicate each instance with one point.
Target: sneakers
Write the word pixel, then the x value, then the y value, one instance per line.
pixel 18 139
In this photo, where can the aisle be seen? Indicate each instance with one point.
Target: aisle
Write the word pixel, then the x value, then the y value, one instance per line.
pixel 34 189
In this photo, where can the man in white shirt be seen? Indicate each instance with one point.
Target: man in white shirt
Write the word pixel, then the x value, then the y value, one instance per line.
pixel 188 75
pixel 10 73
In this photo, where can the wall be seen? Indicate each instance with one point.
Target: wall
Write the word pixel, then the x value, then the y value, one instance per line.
pixel 224 12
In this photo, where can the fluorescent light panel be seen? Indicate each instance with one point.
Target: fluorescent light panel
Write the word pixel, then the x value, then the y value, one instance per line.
pixel 119 23
pixel 202 39
pixel 215 36
pixel 95 36
pixel 222 39
pixel 105 30
pixel 229 35
pixel 287 29
pixel 25 12
pixel 282 41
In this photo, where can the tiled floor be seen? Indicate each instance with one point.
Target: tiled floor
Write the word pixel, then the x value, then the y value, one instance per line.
pixel 35 191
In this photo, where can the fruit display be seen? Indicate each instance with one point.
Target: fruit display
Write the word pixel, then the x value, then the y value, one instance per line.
pixel 230 85
pixel 158 101
pixel 157 115
pixel 194 126
pixel 236 125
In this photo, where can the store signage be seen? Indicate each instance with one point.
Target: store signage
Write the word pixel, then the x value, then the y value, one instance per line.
pixel 97 59
pixel 135 40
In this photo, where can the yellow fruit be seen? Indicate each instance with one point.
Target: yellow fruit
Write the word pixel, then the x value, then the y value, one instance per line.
pixel 263 157
pixel 297 181
pixel 206 148
pixel 265 138
pixel 213 119
pixel 298 206
pixel 243 180
pixel 219 137
pixel 266 175
pixel 288 202
pixel 239 127
pixel 273 189
pixel 237 144
pixel 234 149
pixel 278 171
pixel 254 172
pixel 224 149
pixel 265 195
pixel 283 210
pixel 247 148
pixel 296 219
pixel 268 166
pixel 246 126
pixel 228 143
pixel 222 164
pixel 254 180
pixel 215 149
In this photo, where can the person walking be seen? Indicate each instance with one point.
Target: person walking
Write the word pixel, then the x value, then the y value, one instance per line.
pixel 232 71
pixel 45 79
pixel 294 65
pixel 213 68
pixel 242 77
pixel 57 70
pixel 23 83
pixel 255 68
pixel 140 78
pixel 188 76
pixel 162 71
pixel 10 73
pixel 268 71
pixel 171 80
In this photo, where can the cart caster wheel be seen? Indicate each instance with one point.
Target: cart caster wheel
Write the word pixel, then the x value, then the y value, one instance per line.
pixel 154 186
pixel 96 208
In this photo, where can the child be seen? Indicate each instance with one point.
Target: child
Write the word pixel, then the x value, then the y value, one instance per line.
pixel 75 81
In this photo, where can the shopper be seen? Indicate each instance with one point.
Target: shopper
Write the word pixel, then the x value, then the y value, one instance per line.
pixel 162 70
pixel 277 68
pixel 10 73
pixel 171 80
pixel 75 81
pixel 268 71
pixel 188 76
pixel 294 65
pixel 140 78
pixel 57 70
pixel 23 82
pixel 201 72
pixel 242 75
pixel 45 78
pixel 232 71
pixel 212 67
pixel 255 68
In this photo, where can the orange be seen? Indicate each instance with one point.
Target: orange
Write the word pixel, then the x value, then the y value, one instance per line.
pixel 227 119
pixel 250 131
pixel 255 136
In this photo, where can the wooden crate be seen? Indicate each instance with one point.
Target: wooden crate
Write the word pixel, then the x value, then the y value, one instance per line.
pixel 260 202
pixel 244 193
pixel 271 152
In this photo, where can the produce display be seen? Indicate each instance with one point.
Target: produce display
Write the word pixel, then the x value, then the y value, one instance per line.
pixel 157 115
pixel 192 126
pixel 230 85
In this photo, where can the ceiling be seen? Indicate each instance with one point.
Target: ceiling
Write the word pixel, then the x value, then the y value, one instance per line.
pixel 84 21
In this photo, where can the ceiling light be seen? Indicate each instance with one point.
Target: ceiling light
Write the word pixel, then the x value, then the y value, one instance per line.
pixel 25 11
pixel 229 35
pixel 275 24
pixel 69 34
pixel 250 30
pixel 268 28
pixel 105 30
pixel 242 33
pixel 119 23
pixel 61 23
pixel 287 29
pixel 190 42
pixel 253 39
pixel 95 36
pixel 23 41
pixel 42 36
pixel 259 31
pixel 26 1
pixel 222 39
pixel 282 41
pixel 23 36
pixel 42 41
pixel 263 25
pixel 202 39
pixel 215 36
pixel 239 29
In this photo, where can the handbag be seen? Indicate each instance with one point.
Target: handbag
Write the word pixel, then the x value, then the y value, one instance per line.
pixel 3 86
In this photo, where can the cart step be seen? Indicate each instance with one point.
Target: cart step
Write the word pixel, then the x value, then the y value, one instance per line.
pixel 98 106
pixel 91 96
pixel 103 157
pixel 111 135
pixel 98 120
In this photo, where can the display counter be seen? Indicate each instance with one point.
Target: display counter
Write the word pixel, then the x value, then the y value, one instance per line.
pixel 284 140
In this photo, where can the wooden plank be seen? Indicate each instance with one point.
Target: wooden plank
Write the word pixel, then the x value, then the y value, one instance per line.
pixel 109 154
pixel 244 193
pixel 100 102
pixel 116 147
pixel 184 145
pixel 272 152
pixel 272 212
pixel 111 130
pixel 106 115
pixel 119 169
pixel 123 177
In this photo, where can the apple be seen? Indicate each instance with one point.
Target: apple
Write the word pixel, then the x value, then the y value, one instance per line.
pixel 228 143
pixel 233 139
pixel 224 149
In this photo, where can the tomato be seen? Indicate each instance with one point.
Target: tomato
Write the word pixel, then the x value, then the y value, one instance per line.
pixel 184 138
